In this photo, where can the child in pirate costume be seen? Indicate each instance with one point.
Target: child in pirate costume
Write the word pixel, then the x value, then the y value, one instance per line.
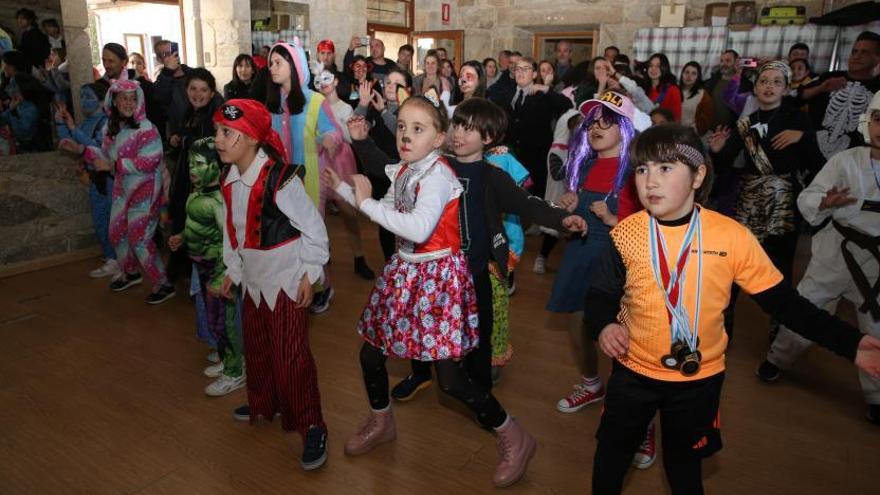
pixel 845 196
pixel 658 313
pixel 780 147
pixel 202 239
pixel 274 247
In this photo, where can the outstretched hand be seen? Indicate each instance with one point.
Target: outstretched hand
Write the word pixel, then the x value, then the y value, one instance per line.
pixel 836 198
pixel 358 128
pixel 718 138
pixel 330 179
pixel 363 190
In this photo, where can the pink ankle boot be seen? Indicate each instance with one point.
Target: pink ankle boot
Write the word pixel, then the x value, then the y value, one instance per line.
pixel 515 449
pixel 378 428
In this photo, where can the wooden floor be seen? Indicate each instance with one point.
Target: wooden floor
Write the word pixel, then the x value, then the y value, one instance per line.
pixel 102 394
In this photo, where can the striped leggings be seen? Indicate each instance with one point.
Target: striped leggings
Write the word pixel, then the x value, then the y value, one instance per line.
pixel 281 373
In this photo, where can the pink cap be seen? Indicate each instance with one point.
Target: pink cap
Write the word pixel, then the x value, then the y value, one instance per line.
pixel 617 102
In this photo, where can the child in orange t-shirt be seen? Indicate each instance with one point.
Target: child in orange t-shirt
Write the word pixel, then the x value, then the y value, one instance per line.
pixel 658 313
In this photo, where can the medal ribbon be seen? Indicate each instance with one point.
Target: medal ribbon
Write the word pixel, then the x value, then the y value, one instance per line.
pixel 672 284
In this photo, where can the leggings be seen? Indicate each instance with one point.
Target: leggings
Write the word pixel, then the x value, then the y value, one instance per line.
pixel 451 375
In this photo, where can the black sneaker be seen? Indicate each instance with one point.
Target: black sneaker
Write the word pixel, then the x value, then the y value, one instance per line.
pixel 768 372
pixel 314 449
pixel 872 413
pixel 164 293
pixel 125 280
pixel 321 302
pixel 362 269
pixel 242 413
pixel 511 284
pixel 409 386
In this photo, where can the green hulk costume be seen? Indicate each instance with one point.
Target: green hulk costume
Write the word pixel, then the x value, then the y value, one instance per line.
pixel 203 237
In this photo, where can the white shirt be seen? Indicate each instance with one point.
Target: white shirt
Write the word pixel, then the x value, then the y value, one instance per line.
pixel 437 187
pixel 265 272
pixel 851 169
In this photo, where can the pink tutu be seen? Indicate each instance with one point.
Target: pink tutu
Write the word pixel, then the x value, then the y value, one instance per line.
pixel 423 310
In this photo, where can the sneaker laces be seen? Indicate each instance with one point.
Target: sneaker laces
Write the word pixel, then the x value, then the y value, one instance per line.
pixel 504 447
pixel 648 441
pixel 580 391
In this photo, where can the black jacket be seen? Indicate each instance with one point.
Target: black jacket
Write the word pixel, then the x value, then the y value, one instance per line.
pixel 35 46
pixel 169 93
pixel 502 195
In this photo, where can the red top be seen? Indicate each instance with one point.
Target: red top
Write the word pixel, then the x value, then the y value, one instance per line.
pixel 671 101
pixel 447 233
pixel 601 179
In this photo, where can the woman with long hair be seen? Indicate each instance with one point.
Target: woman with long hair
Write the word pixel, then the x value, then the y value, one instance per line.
pixel 696 102
pixel 244 74
pixel 664 92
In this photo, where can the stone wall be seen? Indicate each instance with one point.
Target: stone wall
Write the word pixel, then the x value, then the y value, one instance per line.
pixel 493 25
pixel 44 209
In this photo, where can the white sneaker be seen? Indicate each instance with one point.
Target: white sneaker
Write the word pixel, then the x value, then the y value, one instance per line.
pixel 214 371
pixel 540 265
pixel 110 268
pixel 213 357
pixel 224 385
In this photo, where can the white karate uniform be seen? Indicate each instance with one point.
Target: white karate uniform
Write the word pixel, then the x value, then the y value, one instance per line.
pixel 827 278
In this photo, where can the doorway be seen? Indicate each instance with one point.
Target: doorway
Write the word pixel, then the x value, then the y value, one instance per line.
pixel 583 46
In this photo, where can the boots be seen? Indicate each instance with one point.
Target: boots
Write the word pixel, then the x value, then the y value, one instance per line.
pixel 515 449
pixel 379 428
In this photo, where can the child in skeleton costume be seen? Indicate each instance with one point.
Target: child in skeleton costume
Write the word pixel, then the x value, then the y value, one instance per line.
pixel 656 303
pixel 202 238
pixel 845 197
pixel 274 247
pixel 304 120
pixel 779 145
pixel 132 149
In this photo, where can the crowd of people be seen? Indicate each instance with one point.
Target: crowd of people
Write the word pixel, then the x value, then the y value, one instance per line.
pixel 624 163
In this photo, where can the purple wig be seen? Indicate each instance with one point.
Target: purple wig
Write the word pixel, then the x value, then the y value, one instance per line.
pixel 580 151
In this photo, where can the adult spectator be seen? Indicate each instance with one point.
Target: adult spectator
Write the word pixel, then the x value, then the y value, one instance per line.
pixel 696 104
pixel 441 53
pixel 837 99
pixel 405 56
pixel 380 65
pixel 611 53
pixel 563 58
pixel 729 68
pixel 532 110
pixel 798 51
pixel 33 43
pixel 137 62
pixel 502 91
pixel 504 61
pixel 327 58
pixel 169 92
pixel 490 67
pixel 53 32
pixel 244 74
pixel 664 92
pixel 431 77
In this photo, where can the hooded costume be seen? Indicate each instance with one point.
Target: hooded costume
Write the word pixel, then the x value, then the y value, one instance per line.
pixel 136 156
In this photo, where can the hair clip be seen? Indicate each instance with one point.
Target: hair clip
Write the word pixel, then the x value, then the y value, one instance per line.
pixel 432 96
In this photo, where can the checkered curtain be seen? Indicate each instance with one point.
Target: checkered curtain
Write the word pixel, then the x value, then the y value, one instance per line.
pixel 681 45
pixel 773 42
pixel 848 36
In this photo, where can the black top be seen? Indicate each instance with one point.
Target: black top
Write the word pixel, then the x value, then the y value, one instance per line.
pixel 782 302
pixel 234 90
pixel 35 46
pixel 802 156
pixel 472 213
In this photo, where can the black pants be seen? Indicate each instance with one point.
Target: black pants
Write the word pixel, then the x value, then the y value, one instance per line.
pixel 451 375
pixel 547 245
pixel 479 360
pixel 781 250
pixel 388 242
pixel 688 421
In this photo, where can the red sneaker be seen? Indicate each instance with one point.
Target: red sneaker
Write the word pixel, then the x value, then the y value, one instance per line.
pixel 580 398
pixel 647 452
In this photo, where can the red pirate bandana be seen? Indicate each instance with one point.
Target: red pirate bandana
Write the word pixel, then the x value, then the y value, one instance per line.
pixel 251 119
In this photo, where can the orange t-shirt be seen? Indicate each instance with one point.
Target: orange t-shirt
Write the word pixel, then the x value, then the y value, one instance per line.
pixel 731 254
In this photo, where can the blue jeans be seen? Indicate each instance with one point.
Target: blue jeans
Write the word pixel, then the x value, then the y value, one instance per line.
pixel 100 204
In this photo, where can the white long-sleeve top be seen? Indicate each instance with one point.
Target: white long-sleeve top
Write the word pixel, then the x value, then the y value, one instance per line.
pixel 265 272
pixel 852 169
pixel 437 186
